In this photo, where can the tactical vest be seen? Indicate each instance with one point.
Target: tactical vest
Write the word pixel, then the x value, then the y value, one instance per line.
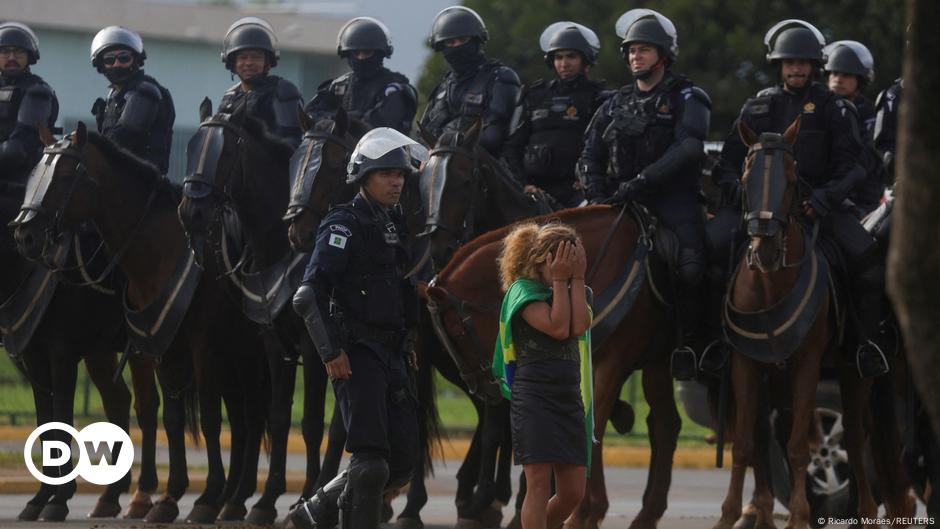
pixel 259 100
pixel 557 120
pixel 11 95
pixel 372 292
pixel 448 105
pixel 156 146
pixel 642 126
pixel 366 94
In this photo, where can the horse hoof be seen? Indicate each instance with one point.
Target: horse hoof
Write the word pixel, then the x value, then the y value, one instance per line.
pixel 54 512
pixel 104 509
pixel 30 513
pixel 232 512
pixel 408 523
pixel 139 506
pixel 202 513
pixel 164 511
pixel 747 521
pixel 491 518
pixel 261 516
pixel 468 523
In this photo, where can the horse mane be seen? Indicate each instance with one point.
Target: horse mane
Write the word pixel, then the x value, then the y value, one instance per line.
pixel 568 216
pixel 129 163
pixel 258 129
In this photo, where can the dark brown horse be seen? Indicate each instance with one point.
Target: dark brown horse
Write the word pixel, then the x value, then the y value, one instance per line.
pixel 633 331
pixel 214 350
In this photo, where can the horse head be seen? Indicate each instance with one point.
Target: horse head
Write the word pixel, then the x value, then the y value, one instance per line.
pixel 318 176
pixel 450 185
pixel 770 186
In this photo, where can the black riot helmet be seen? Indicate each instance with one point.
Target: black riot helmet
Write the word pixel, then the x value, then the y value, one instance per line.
pixel 364 33
pixel 249 33
pixel 455 22
pixel 383 148
pixel 795 39
pixel 851 57
pixel 116 37
pixel 569 36
pixel 20 36
pixel 646 25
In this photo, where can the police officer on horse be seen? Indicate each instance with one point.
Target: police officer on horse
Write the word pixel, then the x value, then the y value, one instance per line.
pixel 370 92
pixel 549 121
pixel 360 312
pixel 26 103
pixel 476 88
pixel 827 152
pixel 885 131
pixel 645 144
pixel 249 51
pixel 139 112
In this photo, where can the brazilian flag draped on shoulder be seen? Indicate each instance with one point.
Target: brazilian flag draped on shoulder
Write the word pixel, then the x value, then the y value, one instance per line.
pixel 523 291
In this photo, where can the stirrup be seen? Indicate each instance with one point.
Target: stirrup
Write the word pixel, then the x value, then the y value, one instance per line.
pixel 881 370
pixel 713 351
pixel 685 369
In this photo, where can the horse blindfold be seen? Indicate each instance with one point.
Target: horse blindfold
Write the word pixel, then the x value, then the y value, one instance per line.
pixel 202 160
pixel 304 166
pixel 765 188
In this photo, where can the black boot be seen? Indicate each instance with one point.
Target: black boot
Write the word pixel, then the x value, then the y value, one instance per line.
pixel 322 510
pixel 714 357
pixel 870 359
pixel 682 363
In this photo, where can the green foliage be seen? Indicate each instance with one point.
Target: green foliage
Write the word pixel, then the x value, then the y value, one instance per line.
pixel 720 41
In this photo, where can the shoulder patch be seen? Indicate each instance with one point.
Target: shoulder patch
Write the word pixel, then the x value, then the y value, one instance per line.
pixel 342 230
pixel 391 88
pixel 338 240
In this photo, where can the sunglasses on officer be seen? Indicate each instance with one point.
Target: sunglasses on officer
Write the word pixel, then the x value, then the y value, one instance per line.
pixel 12 50
pixel 120 58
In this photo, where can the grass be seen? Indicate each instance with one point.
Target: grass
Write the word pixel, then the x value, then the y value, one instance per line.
pixel 457 413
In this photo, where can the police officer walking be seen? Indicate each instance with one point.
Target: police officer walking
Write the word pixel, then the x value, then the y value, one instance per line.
pixel 476 88
pixel 549 121
pixel 26 104
pixel 645 144
pixel 370 92
pixel 249 51
pixel 360 312
pixel 139 112
pixel 827 151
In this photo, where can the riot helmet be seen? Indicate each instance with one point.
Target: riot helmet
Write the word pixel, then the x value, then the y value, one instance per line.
pixel 383 148
pixel 795 39
pixel 454 22
pixel 851 57
pixel 249 33
pixel 569 36
pixel 116 37
pixel 20 36
pixel 646 25
pixel 364 33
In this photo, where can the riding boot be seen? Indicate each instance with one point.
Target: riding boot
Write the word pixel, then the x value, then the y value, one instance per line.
pixel 322 510
pixel 717 351
pixel 684 360
pixel 361 502
pixel 870 359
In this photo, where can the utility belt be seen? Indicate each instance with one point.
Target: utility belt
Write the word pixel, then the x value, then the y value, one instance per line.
pixel 356 331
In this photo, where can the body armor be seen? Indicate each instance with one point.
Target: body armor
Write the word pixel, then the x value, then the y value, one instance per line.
pixel 382 98
pixel 25 102
pixel 271 99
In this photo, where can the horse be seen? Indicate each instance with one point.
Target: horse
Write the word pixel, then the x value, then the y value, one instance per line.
pixel 632 330
pixel 779 312
pixel 239 189
pixel 49 326
pixel 205 350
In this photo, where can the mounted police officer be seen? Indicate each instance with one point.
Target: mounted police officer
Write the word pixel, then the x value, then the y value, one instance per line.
pixel 549 121
pixel 370 92
pixel 360 311
pixel 476 88
pixel 139 112
pixel 849 68
pixel 249 51
pixel 827 151
pixel 26 103
pixel 645 144
pixel 885 131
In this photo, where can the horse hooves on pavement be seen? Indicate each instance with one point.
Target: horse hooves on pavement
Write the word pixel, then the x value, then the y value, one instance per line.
pixel 164 511
pixel 30 513
pixel 408 523
pixel 491 518
pixel 54 512
pixel 139 506
pixel 261 516
pixel 468 523
pixel 748 520
pixel 232 513
pixel 202 513
pixel 105 509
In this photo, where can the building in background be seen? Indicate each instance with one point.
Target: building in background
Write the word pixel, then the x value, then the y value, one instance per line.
pixel 183 42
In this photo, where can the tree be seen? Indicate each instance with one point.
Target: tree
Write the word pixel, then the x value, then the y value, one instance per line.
pixel 914 256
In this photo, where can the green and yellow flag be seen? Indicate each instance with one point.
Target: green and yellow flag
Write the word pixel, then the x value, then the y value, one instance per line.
pixel 523 291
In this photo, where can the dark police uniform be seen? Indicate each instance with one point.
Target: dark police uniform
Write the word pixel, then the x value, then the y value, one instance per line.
pixel 548 134
pixel 885 131
pixel 380 98
pixel 867 195
pixel 139 116
pixel 26 101
pixel 273 100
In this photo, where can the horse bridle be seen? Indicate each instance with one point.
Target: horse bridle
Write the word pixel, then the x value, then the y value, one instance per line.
pixel 326 137
pixel 461 235
pixel 478 377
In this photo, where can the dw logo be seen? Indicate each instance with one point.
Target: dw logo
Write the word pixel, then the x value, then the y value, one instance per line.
pixel 105 453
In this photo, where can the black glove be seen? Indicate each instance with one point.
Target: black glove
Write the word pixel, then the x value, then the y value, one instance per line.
pixel 630 190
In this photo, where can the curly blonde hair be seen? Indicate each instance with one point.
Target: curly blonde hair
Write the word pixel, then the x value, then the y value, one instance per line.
pixel 526 248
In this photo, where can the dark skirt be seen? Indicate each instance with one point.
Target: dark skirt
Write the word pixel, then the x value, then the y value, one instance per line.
pixel 547 413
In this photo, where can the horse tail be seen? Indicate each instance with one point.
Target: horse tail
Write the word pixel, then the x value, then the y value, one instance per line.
pixel 429 421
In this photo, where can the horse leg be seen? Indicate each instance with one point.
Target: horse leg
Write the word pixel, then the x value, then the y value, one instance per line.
pixel 43 402
pixel 467 473
pixel 745 376
pixel 252 377
pixel 116 400
pixel 483 496
pixel 855 395
pixel 417 496
pixel 146 404
pixel 759 513
pixel 175 395
pixel 316 384
pixel 804 377
pixel 206 506
pixel 64 375
pixel 503 486
pixel 886 450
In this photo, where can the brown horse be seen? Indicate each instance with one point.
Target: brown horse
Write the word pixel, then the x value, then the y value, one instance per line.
pixel 636 335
